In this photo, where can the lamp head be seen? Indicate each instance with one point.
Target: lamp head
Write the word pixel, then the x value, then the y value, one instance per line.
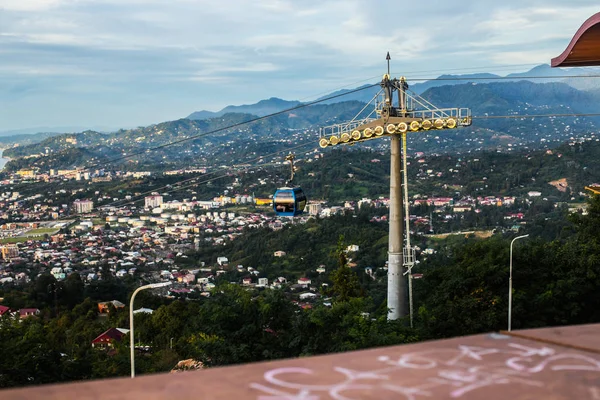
pixel 160 284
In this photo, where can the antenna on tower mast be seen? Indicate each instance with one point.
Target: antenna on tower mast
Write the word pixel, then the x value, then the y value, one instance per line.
pixel 388 58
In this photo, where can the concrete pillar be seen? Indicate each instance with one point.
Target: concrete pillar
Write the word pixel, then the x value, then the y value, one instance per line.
pixel 396 297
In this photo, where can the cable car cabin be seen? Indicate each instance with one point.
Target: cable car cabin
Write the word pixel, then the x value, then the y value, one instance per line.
pixel 289 202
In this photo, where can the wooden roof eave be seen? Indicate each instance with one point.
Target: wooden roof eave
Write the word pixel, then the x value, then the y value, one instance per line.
pixel 584 48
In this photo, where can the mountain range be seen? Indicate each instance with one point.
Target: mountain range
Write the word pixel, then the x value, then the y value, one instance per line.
pixel 540 74
pixel 262 108
pixel 487 97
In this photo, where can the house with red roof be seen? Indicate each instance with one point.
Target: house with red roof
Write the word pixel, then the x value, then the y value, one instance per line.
pixel 4 310
pixel 247 281
pixel 304 281
pixel 28 312
pixel 107 339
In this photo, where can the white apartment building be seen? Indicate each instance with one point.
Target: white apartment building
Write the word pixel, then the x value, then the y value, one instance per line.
pixel 153 201
pixel 83 206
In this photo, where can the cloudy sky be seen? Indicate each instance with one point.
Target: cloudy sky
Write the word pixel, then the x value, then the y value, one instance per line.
pixel 124 63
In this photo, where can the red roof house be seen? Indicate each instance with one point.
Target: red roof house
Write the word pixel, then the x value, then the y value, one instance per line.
pixel 4 310
pixel 28 312
pixel 247 281
pixel 107 338
pixel 304 281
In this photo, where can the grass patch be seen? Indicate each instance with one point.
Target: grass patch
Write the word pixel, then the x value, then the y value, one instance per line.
pixel 14 240
pixel 34 234
pixel 41 231
pixel 242 209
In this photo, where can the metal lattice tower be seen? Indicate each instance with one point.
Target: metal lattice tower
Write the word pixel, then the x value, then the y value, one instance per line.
pixel 411 114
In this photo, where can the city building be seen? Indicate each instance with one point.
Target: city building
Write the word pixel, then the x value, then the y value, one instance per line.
pixel 83 206
pixel 26 172
pixel 263 202
pixel 9 251
pixel 222 261
pixel 314 208
pixel 153 201
pixel 263 282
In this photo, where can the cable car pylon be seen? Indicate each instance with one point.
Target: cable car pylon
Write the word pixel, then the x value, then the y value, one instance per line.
pixel 412 114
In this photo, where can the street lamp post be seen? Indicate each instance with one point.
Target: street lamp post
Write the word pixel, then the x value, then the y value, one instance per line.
pixel 510 282
pixel 131 337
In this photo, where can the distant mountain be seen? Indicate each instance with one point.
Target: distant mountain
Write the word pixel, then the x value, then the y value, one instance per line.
pixel 508 100
pixel 26 139
pixel 262 108
pixel 54 130
pixel 502 98
pixel 215 144
pixel 265 107
pixel 543 70
pixel 223 147
pixel 444 80
pixel 363 96
pixel 588 79
pixel 31 136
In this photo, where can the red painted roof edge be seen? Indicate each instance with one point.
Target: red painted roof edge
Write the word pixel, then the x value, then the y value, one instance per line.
pixel 26 310
pixel 112 333
pixel 590 22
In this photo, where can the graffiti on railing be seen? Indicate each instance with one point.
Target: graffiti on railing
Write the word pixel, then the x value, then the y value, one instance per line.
pixel 455 371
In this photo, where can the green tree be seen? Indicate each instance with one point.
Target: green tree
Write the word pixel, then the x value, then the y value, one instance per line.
pixel 73 290
pixel 346 284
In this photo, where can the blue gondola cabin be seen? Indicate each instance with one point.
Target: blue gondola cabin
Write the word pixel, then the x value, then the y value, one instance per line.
pixel 289 202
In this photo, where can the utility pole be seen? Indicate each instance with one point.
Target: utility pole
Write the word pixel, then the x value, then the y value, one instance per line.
pixel 388 120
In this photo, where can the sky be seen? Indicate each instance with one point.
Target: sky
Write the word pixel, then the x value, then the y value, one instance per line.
pixel 113 64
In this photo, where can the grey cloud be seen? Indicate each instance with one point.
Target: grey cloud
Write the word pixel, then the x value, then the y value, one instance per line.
pixel 167 59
